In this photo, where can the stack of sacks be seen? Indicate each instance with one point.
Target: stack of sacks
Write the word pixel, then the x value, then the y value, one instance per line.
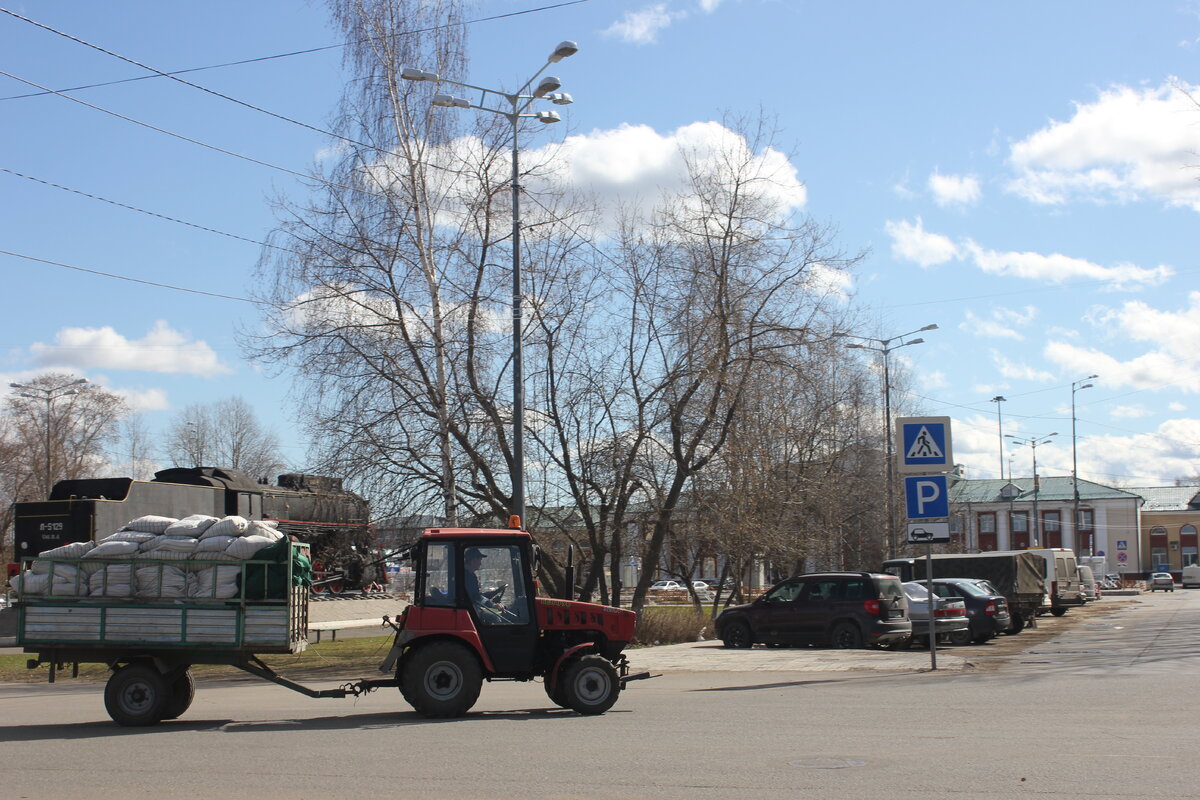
pixel 54 578
pixel 229 539
pixel 110 580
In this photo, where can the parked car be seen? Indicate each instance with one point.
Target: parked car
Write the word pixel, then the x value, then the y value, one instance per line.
pixel 1162 580
pixel 987 610
pixel 1191 576
pixel 702 590
pixel 1088 585
pixel 1061 581
pixel 713 583
pixel 949 614
pixel 667 586
pixel 840 609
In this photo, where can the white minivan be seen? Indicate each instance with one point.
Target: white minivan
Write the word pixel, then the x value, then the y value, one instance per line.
pixel 1191 576
pixel 1062 579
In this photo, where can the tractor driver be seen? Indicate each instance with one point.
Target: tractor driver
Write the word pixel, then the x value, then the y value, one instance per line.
pixel 474 560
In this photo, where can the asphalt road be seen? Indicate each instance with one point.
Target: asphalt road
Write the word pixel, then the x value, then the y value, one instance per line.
pixel 1093 705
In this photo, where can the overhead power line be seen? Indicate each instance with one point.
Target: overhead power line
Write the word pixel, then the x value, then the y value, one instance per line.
pixel 258 59
pixel 115 276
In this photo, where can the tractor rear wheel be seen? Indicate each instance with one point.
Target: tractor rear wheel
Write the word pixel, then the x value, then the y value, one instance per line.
pixel 589 685
pixel 441 679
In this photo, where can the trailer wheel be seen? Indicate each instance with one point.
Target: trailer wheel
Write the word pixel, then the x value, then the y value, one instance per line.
pixel 136 695
pixel 182 691
pixel 441 679
pixel 590 685
pixel 1058 612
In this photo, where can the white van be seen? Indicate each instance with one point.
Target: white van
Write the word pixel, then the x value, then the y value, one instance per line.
pixel 1062 578
pixel 1191 576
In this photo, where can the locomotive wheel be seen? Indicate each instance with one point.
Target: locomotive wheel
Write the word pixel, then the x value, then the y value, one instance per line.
pixel 136 695
pixel 441 679
pixel 182 691
pixel 590 685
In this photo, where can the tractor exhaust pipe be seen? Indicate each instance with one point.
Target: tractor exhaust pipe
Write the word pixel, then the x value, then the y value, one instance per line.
pixel 569 579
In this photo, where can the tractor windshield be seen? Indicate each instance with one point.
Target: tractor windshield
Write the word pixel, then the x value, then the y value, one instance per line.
pixel 439 575
pixel 498 588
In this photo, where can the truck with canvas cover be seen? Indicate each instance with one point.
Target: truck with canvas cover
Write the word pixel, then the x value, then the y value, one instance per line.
pixel 1018 576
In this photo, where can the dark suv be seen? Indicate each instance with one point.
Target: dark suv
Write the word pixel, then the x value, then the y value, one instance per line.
pixel 840 609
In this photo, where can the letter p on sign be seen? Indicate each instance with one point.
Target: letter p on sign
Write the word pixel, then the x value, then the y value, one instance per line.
pixel 926 497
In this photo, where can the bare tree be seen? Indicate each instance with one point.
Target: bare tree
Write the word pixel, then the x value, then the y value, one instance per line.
pixel 62 439
pixel 224 434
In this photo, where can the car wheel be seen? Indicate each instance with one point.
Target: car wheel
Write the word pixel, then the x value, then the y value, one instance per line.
pixel 902 644
pixel 960 638
pixel 737 635
pixel 1015 626
pixel 441 679
pixel 590 685
pixel 983 637
pixel 1058 612
pixel 846 636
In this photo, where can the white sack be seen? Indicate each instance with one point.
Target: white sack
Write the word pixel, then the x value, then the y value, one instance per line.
pixel 72 550
pixel 149 524
pixel 213 544
pixel 229 526
pixel 137 537
pixel 173 544
pixel 192 526
pixel 225 579
pixel 113 550
pixel 61 572
pixel 161 580
pixel 246 546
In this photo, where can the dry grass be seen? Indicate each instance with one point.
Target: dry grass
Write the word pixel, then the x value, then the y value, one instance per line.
pixel 672 625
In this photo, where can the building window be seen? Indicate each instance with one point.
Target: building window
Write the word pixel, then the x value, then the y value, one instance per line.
pixel 1188 545
pixel 1052 529
pixel 1018 524
pixel 987 531
pixel 1158 549
pixel 1086 535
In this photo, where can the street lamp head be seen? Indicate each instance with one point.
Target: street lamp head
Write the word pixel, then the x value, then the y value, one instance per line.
pixel 932 327
pixel 449 101
pixel 560 98
pixel 565 49
pixel 547 85
pixel 918 340
pixel 414 74
pixel 999 399
pixel 547 117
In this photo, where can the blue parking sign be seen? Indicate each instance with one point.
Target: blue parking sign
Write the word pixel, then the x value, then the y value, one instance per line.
pixel 926 497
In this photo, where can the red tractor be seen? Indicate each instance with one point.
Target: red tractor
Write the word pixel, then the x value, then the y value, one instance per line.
pixel 476 615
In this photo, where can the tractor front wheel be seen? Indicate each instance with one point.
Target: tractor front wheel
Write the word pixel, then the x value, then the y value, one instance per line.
pixel 589 685
pixel 441 679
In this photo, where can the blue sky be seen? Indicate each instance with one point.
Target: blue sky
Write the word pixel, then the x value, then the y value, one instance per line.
pixel 1026 175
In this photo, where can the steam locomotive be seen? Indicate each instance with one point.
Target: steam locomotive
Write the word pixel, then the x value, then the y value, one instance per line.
pixel 313 508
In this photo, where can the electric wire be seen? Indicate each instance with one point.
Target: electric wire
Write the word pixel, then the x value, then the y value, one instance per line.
pixel 307 51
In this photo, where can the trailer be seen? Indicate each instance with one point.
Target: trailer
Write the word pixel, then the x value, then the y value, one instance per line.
pixel 452 637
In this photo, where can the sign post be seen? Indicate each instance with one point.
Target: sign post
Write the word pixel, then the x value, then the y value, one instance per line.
pixel 925 457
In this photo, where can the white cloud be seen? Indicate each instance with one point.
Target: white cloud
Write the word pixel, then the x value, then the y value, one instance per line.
pixel 830 281
pixel 709 6
pixel 634 168
pixel 934 380
pixel 954 190
pixel 911 242
pixel 1059 268
pixel 160 350
pixel 1015 371
pixel 1176 407
pixel 1128 145
pixel 1171 360
pixel 1130 412
pixel 1002 325
pixel 143 399
pixel 1145 459
pixel 643 26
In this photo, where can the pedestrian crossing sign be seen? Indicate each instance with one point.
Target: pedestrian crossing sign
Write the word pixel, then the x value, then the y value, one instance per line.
pixel 924 444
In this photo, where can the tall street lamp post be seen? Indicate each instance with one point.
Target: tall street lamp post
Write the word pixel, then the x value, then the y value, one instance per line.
pixel 1077 386
pixel 1033 443
pixel 885 347
pixel 998 399
pixel 49 395
pixel 517 104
